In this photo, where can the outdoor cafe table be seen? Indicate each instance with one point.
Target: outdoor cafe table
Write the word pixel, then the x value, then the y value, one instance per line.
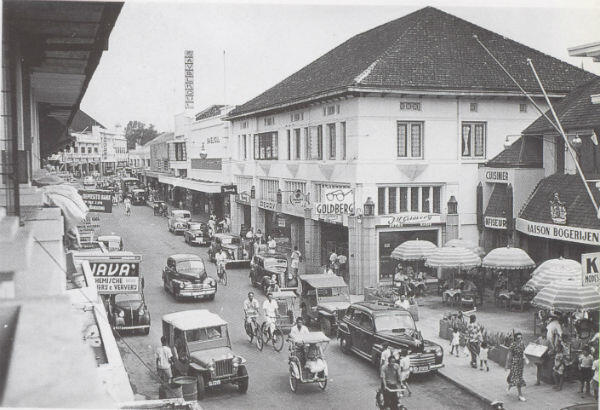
pixel 451 295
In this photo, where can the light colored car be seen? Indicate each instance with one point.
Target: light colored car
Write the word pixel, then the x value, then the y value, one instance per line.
pixel 178 220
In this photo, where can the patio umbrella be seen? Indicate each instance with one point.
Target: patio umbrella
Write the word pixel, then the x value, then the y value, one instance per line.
pixel 455 257
pixel 553 270
pixel 413 250
pixel 568 296
pixel 508 258
pixel 472 246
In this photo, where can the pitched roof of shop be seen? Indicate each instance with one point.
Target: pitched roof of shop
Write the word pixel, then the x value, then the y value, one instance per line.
pixel 209 112
pixel 571 191
pixel 82 121
pixel 575 111
pixel 425 50
pixel 519 156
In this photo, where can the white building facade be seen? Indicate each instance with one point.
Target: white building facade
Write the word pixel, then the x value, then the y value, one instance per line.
pixel 113 148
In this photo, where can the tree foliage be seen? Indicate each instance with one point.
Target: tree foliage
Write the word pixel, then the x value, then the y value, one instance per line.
pixel 138 132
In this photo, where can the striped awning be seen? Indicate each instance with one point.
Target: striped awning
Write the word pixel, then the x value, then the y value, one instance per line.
pixel 508 258
pixel 553 270
pixel 568 296
pixel 453 257
pixel 413 250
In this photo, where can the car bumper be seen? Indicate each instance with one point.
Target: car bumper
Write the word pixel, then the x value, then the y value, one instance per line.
pixel 225 380
pixel 196 293
pixel 136 327
pixel 199 241
pixel 425 369
pixel 237 262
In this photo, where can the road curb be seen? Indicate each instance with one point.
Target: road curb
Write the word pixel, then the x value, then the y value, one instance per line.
pixel 469 390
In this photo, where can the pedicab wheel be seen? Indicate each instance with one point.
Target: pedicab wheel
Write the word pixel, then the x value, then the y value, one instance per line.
pixel 325 326
pixel 293 381
pixel 201 386
pixel 277 340
pixel 322 384
pixel 243 385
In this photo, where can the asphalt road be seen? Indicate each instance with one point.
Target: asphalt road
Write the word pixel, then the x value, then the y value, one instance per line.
pixel 352 381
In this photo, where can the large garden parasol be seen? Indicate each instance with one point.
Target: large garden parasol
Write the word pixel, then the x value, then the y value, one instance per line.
pixel 568 296
pixel 508 258
pixel 413 250
pixel 553 270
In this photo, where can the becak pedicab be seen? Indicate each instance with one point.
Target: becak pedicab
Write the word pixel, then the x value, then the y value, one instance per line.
pixel 307 360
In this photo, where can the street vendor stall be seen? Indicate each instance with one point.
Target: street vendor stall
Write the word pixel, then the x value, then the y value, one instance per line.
pixel 514 262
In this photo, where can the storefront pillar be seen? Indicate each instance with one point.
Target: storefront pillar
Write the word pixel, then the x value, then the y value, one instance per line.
pixel 312 245
pixel 258 218
pixel 362 249
pixel 237 217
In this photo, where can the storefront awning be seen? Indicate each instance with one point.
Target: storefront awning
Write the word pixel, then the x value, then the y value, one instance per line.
pixel 208 187
pixel 498 212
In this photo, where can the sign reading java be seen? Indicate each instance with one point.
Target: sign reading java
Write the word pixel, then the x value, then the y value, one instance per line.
pixel 590 269
pixel 116 274
pixel 560 232
pixel 97 200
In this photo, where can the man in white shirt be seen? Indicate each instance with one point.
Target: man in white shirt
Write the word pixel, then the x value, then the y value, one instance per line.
pixel 220 259
pixel 554 330
pixel 250 307
pixel 403 302
pixel 272 245
pixel 270 307
pixel 164 358
pixel 295 257
pixel 299 329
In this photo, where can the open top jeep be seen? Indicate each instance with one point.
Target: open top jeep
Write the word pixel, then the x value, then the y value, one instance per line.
pixel 201 348
pixel 324 299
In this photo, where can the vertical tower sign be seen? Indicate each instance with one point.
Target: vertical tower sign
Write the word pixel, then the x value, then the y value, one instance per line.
pixel 189 79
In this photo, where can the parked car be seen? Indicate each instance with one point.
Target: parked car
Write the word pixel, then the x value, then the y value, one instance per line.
pixel 264 266
pixel 111 242
pixel 324 300
pixel 178 220
pixel 237 249
pixel 128 311
pixel 196 234
pixel 89 182
pixel 138 196
pixel 367 326
pixel 185 277
pixel 202 349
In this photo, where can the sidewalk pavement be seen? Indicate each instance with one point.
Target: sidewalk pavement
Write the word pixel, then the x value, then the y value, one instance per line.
pixel 491 386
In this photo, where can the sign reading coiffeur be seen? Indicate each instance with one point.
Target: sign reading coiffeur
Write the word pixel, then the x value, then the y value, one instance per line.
pixel 494 222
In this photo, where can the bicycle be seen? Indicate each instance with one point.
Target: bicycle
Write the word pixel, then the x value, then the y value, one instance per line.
pixel 380 401
pixel 222 274
pixel 276 338
pixel 253 331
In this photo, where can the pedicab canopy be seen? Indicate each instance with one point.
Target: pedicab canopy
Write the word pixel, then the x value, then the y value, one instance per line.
pixel 311 337
pixel 323 281
pixel 508 258
pixel 284 295
pixel 553 270
pixel 413 250
pixel 193 319
pixel 568 296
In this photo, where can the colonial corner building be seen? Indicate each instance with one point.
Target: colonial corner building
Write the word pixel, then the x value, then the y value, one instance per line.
pixel 406 116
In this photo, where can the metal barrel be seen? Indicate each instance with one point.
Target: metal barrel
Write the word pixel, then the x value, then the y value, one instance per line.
pixel 170 391
pixel 188 386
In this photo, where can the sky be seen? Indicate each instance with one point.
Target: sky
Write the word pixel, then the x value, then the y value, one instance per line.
pixel 243 49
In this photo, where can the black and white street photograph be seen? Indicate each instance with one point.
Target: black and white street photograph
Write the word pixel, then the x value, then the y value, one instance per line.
pixel 301 204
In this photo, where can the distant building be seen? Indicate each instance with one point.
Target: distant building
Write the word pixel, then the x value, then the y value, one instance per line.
pixel 113 148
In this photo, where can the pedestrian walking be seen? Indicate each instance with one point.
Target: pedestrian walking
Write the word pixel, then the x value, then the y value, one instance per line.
pixel 271 244
pixel 586 360
pixel 164 359
pixel 474 338
pixel 127 203
pixel 404 364
pixel 455 342
pixel 295 257
pixel 515 363
pixel 483 356
pixel 543 341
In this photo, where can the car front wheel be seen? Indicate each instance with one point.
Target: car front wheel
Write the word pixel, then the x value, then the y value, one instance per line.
pixel 325 326
pixel 243 385
pixel 201 385
pixel 345 344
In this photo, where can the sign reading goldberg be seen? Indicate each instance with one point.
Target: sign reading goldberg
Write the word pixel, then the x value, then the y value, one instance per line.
pixel 335 201
pixel 97 200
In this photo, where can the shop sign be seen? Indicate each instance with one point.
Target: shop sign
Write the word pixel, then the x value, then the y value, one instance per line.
pixel 409 219
pixel 497 176
pixel 590 269
pixel 116 274
pixel 229 189
pixel 243 198
pixel 270 205
pixel 299 198
pixel 97 200
pixel 559 232
pixel 335 201
pixel 281 221
pixel 494 222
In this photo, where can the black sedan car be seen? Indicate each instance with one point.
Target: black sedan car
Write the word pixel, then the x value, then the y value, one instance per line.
pixel 367 326
pixel 185 277
pixel 196 234
pixel 128 311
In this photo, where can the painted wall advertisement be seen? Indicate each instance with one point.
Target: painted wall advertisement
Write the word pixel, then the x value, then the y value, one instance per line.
pixel 116 274
pixel 336 201
pixel 97 200
pixel 590 269
pixel 409 219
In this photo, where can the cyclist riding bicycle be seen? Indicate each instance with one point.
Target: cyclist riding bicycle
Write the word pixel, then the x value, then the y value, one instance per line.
pixel 220 260
pixel 250 308
pixel 270 307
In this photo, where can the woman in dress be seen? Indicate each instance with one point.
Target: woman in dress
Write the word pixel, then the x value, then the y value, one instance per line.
pixel 515 362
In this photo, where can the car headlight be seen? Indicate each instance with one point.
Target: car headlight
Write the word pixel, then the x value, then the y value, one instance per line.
pixel 211 366
pixel 121 313
pixel 141 311
pixel 439 352
pixel 236 361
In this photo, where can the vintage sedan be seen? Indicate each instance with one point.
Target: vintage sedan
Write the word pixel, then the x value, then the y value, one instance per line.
pixel 178 220
pixel 202 348
pixel 138 196
pixel 324 300
pixel 237 249
pixel 367 326
pixel 128 311
pixel 185 277
pixel 196 234
pixel 268 269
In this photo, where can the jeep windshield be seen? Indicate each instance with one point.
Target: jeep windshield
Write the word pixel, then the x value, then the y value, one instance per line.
pixel 335 294
pixel 204 335
pixel 191 268
pixel 395 322
pixel 275 264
